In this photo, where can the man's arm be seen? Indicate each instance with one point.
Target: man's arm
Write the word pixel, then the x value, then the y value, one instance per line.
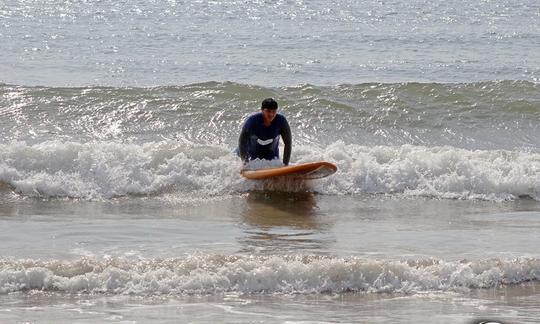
pixel 243 142
pixel 287 140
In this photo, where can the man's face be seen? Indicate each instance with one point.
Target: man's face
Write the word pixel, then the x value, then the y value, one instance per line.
pixel 269 114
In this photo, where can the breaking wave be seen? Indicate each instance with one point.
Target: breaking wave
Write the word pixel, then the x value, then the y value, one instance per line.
pixel 214 274
pixel 104 170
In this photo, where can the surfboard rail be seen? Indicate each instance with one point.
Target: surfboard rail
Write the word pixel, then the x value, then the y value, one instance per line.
pixel 307 171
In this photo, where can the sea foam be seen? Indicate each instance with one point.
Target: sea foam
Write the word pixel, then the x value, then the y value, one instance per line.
pixel 214 274
pixel 104 170
pixel 444 172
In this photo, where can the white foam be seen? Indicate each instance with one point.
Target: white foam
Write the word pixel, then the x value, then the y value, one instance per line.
pixel 214 274
pixel 108 169
pixel 445 172
pixel 263 164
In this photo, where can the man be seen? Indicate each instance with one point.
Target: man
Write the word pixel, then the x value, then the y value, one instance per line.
pixel 259 138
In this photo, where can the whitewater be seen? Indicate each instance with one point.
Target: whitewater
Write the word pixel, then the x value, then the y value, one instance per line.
pixel 107 170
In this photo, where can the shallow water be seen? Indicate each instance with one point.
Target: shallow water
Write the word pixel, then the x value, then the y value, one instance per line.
pixel 366 258
pixel 514 304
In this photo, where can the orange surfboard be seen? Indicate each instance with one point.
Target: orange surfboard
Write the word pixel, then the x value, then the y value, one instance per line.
pixel 313 170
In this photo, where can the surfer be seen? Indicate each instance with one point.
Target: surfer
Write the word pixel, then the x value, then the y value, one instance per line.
pixel 260 134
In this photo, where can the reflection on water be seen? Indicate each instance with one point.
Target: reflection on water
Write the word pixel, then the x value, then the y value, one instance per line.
pixel 269 209
pixel 284 222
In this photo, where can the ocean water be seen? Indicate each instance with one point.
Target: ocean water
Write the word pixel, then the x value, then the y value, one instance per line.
pixel 120 194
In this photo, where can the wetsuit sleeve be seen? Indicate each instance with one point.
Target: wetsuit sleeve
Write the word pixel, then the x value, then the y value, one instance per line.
pixel 287 140
pixel 243 141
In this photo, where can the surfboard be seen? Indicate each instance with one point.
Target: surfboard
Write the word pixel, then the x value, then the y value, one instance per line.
pixel 304 171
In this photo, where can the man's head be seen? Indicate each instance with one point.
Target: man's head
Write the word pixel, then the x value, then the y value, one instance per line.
pixel 269 103
pixel 269 109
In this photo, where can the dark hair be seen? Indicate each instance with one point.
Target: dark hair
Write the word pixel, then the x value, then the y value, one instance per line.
pixel 269 103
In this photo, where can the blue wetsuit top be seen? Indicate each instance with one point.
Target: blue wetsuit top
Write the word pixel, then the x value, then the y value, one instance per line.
pixel 258 141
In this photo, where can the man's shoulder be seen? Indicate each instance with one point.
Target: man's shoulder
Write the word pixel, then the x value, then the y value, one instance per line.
pixel 281 118
pixel 253 118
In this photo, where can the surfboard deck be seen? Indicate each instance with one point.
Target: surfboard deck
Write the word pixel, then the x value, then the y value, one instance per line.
pixel 305 171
